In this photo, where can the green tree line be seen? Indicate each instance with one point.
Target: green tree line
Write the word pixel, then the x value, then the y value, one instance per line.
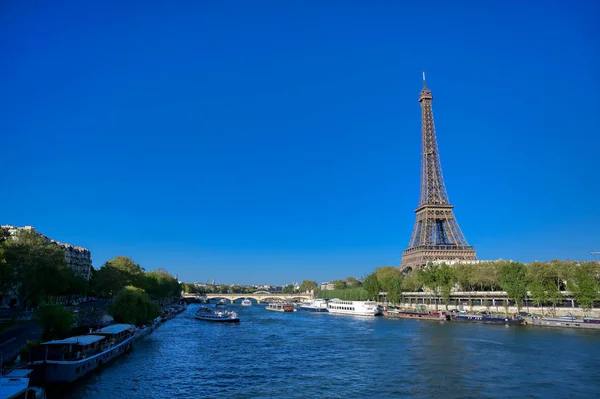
pixel 542 282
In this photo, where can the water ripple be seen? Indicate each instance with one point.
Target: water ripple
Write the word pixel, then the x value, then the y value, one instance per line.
pixel 302 355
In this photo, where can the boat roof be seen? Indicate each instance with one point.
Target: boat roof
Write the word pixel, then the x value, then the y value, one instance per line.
pixel 114 329
pixel 19 373
pixel 81 340
pixel 10 387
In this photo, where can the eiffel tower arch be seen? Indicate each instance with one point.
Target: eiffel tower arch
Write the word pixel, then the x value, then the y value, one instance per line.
pixel 436 235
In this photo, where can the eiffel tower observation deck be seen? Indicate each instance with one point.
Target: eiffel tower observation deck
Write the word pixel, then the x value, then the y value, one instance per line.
pixel 436 235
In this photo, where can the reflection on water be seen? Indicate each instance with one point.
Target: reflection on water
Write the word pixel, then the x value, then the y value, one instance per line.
pixel 310 355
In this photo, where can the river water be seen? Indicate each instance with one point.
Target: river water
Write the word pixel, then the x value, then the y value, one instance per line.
pixel 311 355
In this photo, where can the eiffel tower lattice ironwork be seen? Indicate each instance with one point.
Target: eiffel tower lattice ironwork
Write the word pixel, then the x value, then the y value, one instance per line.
pixel 436 234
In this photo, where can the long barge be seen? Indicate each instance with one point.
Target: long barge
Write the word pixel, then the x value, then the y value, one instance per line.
pixel 411 314
pixel 69 359
pixel 568 322
pixel 487 319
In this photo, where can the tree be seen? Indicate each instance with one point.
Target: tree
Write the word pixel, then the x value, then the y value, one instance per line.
pixel 413 281
pixel 432 279
pixel 465 276
pixel 486 276
pixel 133 306
pixel 554 296
pixel 446 279
pixel 352 282
pixel 584 286
pixel 288 289
pixel 6 272
pixel 371 286
pixel 339 284
pixel 538 292
pixel 513 279
pixel 35 264
pixel 308 286
pixel 56 321
pixel 115 274
pixel 160 284
pixel 389 280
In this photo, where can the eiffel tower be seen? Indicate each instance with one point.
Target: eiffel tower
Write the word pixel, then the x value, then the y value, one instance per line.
pixel 436 234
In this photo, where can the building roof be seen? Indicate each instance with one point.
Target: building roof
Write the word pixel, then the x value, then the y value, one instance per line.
pixel 81 340
pixel 114 329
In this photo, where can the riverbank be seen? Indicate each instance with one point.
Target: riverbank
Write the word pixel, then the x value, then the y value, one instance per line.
pixel 546 312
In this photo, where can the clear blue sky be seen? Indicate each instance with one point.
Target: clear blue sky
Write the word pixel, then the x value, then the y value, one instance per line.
pixel 268 142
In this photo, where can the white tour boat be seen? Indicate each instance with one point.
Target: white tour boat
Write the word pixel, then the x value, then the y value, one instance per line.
pixel 246 302
pixel 69 359
pixel 318 305
pixel 15 385
pixel 204 313
pixel 358 308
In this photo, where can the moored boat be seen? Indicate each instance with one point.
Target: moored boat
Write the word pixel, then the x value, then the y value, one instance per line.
pixel 15 385
pixel 357 308
pixel 317 305
pixel 281 307
pixel 223 316
pixel 66 360
pixel 568 322
pixel 412 314
pixel 487 319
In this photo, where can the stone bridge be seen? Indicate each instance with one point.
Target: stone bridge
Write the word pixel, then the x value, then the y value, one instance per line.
pixel 258 296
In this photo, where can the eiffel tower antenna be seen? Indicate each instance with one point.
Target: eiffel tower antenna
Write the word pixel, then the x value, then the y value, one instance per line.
pixel 436 235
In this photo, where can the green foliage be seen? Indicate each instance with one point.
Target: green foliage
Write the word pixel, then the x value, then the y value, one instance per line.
pixel 339 284
pixel 390 281
pixel 353 282
pixel 35 266
pixel 122 271
pixel 133 306
pixel 440 279
pixel 413 281
pixel 29 345
pixel 584 284
pixel 538 292
pixel 56 321
pixel 350 294
pixel 288 289
pixel 115 274
pixel 160 284
pixel 513 279
pixel 308 286
pixel 371 286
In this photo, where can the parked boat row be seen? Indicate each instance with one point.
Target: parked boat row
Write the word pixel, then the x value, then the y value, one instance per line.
pixel 489 318
pixel 66 360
